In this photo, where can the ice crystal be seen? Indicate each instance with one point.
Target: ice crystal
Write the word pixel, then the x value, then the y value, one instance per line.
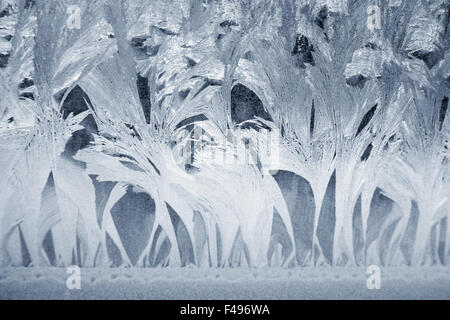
pixel 142 133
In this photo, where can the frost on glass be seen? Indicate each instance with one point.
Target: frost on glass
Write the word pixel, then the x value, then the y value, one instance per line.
pixel 145 136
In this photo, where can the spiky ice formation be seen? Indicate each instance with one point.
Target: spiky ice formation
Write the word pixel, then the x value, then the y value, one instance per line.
pixel 224 133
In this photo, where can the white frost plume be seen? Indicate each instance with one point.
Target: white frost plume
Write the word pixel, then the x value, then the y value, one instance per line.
pixel 144 136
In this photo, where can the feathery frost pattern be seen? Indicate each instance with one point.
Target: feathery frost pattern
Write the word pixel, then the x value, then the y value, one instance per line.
pixel 224 133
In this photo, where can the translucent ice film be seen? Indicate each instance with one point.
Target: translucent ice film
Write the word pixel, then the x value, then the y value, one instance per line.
pixel 285 137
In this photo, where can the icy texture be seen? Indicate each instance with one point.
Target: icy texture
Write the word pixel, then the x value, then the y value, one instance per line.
pixel 139 137
pixel 206 284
